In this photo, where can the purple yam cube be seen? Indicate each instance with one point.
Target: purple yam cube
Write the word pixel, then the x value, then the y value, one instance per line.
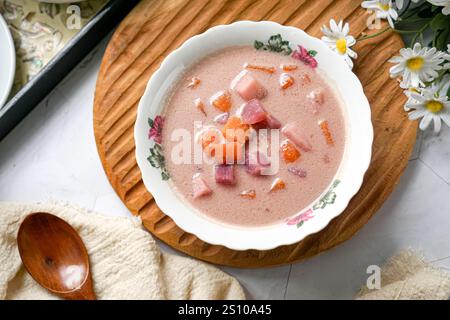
pixel 224 174
pixel 253 112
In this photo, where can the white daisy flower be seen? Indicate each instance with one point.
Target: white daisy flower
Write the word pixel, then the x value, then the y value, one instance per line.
pixel 399 3
pixel 442 3
pixel 417 65
pixel 431 105
pixel 411 100
pixel 338 39
pixel 384 9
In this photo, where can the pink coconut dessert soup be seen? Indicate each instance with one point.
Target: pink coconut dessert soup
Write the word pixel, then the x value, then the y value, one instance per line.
pixel 252 137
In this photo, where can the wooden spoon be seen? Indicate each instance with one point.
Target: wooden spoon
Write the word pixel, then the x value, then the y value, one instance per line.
pixel 55 256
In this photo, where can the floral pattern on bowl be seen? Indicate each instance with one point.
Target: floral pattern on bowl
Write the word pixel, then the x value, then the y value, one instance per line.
pixel 328 198
pixel 277 44
pixel 156 157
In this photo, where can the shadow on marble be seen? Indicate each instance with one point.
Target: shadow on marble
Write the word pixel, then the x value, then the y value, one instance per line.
pixel 435 152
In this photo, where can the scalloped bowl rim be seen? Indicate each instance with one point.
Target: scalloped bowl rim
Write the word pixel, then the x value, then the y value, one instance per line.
pixel 10 54
pixel 358 145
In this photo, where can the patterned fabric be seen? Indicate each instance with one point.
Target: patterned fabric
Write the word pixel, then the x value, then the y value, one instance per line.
pixel 40 30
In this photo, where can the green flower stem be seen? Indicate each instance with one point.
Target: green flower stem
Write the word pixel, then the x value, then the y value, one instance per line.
pixel 370 36
pixel 412 20
pixel 419 34
pixel 406 31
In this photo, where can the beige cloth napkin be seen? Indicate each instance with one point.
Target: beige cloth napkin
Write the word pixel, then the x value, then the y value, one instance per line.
pixel 407 276
pixel 125 260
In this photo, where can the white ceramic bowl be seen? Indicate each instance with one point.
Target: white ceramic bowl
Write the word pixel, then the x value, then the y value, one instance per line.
pixel 7 61
pixel 308 220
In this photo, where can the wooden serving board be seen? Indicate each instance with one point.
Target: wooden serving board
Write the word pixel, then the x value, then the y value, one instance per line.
pixel 156 27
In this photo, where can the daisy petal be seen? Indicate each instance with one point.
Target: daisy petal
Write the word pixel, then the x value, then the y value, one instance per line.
pixel 425 121
pixel 437 123
pixel 346 28
pixel 446 118
pixel 416 114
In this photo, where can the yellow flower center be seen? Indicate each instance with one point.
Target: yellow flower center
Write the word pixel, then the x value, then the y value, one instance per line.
pixel 341 45
pixel 434 106
pixel 415 64
pixel 384 6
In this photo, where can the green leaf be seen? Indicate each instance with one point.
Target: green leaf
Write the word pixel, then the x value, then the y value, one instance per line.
pixel 442 38
pixel 150 122
pixel 426 12
pixel 275 40
pixel 258 44
pixel 274 44
pixel 448 92
pixel 165 175
pixel 319 204
pixel 157 160
pixel 152 162
pixel 286 50
pixel 158 148
pixel 440 25
pixel 312 53
pixel 300 224
pixel 439 22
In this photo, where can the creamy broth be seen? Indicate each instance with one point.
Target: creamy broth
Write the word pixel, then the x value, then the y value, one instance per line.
pixel 309 101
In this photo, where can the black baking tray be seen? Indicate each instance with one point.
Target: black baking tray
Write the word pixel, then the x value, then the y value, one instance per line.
pixel 76 49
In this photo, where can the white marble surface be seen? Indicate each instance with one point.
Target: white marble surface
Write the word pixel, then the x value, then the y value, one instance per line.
pixel 52 155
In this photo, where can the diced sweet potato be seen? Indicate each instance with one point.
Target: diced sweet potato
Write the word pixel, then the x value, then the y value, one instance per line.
pixel 229 152
pixel 277 184
pixel 194 82
pixel 253 112
pixel 286 81
pixel 199 187
pixel 200 105
pixel 221 100
pixel 248 87
pixel 259 68
pixel 248 194
pixel 288 67
pixel 289 152
pixel 224 174
pixel 294 133
pixel 323 124
pixel 208 138
pixel 235 130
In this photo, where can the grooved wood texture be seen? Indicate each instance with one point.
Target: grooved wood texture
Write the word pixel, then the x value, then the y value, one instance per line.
pixel 156 27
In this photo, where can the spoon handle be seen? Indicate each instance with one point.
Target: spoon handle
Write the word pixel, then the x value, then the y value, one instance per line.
pixel 85 292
